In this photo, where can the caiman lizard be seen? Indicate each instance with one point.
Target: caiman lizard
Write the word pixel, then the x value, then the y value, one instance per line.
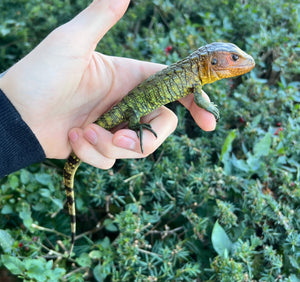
pixel 207 64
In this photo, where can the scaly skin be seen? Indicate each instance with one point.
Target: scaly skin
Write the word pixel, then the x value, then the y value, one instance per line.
pixel 209 63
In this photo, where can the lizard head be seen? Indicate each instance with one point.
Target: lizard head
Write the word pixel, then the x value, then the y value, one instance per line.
pixel 222 60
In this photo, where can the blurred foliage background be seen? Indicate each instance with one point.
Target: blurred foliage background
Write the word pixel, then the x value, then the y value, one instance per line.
pixel 206 206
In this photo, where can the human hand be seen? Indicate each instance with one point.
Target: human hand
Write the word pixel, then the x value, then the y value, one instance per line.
pixel 63 86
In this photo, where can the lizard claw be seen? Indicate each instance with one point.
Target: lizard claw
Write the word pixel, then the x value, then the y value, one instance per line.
pixel 139 132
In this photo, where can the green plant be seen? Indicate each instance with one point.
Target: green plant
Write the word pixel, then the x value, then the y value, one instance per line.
pixel 207 206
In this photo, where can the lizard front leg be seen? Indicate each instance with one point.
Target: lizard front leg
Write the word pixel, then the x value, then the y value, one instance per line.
pixel 204 104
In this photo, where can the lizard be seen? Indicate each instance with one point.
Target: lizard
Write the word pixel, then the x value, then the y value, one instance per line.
pixel 207 64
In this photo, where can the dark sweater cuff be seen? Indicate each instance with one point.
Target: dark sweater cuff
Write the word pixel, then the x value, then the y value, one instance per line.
pixel 18 145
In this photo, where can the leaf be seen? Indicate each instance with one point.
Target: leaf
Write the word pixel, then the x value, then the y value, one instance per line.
pixel 13 181
pixel 39 207
pixel 110 226
pixel 98 274
pixel 6 241
pixel 240 164
pixel 45 192
pixel 4 31
pixel 13 264
pixel 256 120
pixel 59 203
pixel 220 240
pixel 294 262
pixel 57 273
pixel 35 269
pixel 294 278
pixel 84 260
pixel 254 163
pixel 226 149
pixel 7 209
pixel 43 178
pixel 95 254
pixel 25 215
pixel 227 146
pixel 262 147
pixel 53 273
pixel 105 244
pixel 49 264
pixel 24 176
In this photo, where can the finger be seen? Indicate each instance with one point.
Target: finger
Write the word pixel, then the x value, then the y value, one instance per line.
pixel 94 21
pixel 202 117
pixel 87 152
pixel 102 141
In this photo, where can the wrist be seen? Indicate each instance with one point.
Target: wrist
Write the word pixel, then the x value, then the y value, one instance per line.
pixel 19 145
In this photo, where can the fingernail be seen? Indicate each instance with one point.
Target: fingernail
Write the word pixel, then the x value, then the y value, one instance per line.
pixel 73 136
pixel 91 136
pixel 125 142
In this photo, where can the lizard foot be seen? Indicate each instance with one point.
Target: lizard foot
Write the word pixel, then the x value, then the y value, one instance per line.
pixel 204 104
pixel 139 132
pixel 212 108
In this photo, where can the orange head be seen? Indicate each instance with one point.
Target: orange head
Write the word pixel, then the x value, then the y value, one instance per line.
pixel 222 60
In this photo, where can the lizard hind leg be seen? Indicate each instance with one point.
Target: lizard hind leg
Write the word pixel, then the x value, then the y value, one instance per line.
pixel 134 124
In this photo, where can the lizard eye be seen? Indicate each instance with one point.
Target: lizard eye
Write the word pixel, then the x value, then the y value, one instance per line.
pixel 235 57
pixel 214 61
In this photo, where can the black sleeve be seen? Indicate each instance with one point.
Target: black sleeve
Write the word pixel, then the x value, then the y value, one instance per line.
pixel 18 145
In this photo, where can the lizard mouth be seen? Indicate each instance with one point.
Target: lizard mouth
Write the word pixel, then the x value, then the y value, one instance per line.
pixel 233 70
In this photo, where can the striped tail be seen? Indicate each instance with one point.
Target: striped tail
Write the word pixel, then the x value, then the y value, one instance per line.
pixel 70 168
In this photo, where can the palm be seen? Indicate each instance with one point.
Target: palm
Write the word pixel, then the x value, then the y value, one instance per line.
pixel 70 89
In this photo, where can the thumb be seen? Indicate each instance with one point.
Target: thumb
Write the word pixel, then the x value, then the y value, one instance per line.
pixel 93 22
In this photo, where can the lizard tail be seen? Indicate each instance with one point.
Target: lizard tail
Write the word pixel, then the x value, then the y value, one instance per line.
pixel 70 168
